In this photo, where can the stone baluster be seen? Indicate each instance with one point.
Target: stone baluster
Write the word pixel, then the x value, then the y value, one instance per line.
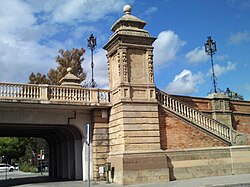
pixel 11 91
pixel 77 93
pixel 81 95
pixel 176 106
pixel 70 93
pixel 31 92
pixel 193 115
pixel 163 99
pixel 213 126
pixel 24 92
pixel 216 127
pixel 21 91
pixel 209 123
pixel 168 101
pixel 196 116
pixel 1 90
pixel 8 90
pixel 205 122
pixel 15 90
pixel 67 94
pixel 5 91
pixel 85 95
pixel 56 93
pixel 179 107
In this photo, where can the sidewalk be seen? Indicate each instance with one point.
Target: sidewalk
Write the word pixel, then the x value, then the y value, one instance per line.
pixel 220 181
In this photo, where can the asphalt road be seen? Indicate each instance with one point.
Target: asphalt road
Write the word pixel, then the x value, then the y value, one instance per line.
pixel 19 174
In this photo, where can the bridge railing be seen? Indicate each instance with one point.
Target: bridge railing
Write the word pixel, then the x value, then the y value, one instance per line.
pixel 196 117
pixel 53 93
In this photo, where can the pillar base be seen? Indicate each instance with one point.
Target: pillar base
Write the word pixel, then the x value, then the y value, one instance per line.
pixel 139 168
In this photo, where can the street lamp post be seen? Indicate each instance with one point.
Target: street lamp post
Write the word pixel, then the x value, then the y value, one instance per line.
pixel 210 49
pixel 91 46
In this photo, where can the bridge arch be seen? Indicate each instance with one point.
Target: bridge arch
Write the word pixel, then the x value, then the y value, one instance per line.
pixel 65 143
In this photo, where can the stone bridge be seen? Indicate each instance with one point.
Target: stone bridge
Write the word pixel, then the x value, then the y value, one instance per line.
pixel 58 114
pixel 147 135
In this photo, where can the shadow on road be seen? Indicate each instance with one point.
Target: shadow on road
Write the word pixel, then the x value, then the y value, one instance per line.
pixel 29 180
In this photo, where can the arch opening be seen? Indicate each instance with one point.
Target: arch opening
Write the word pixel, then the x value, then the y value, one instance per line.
pixel 64 142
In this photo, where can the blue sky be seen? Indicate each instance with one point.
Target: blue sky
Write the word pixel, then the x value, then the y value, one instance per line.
pixel 32 32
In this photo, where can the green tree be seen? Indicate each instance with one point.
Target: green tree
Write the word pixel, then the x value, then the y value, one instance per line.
pixel 33 148
pixel 38 79
pixel 67 58
pixel 12 147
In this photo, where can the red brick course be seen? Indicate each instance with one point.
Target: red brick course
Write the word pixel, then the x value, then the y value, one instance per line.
pixel 176 133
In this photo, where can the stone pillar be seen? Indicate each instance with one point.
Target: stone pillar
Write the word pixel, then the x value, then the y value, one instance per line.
pixel 100 141
pixel 134 138
pixel 221 108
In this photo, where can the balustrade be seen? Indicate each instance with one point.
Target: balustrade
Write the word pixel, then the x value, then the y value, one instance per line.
pixel 53 93
pixel 25 91
pixel 195 116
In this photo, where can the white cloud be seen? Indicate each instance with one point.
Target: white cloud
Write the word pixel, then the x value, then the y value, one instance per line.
pixel 197 55
pixel 151 10
pixel 239 37
pixel 221 57
pixel 19 59
pixel 219 70
pixel 85 10
pixel 166 47
pixel 80 31
pixel 32 32
pixel 185 83
pixel 15 15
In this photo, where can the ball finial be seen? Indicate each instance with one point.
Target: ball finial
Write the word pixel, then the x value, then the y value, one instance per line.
pixel 69 70
pixel 127 9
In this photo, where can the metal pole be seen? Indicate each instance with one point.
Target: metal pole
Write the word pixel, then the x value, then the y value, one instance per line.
pixel 6 170
pixel 89 166
pixel 213 74
pixel 88 143
pixel 92 66
pixel 210 49
pixel 41 167
pixel 91 46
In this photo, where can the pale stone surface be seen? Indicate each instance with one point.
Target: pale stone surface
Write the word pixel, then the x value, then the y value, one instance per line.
pixel 134 122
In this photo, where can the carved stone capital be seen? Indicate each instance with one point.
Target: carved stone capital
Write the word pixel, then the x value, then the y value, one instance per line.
pixel 220 105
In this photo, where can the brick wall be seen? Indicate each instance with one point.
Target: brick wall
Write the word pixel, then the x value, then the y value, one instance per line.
pixel 241 117
pixel 175 133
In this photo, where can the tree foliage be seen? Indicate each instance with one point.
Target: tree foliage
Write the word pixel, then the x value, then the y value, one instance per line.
pixel 67 58
pixel 12 147
pixel 38 79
